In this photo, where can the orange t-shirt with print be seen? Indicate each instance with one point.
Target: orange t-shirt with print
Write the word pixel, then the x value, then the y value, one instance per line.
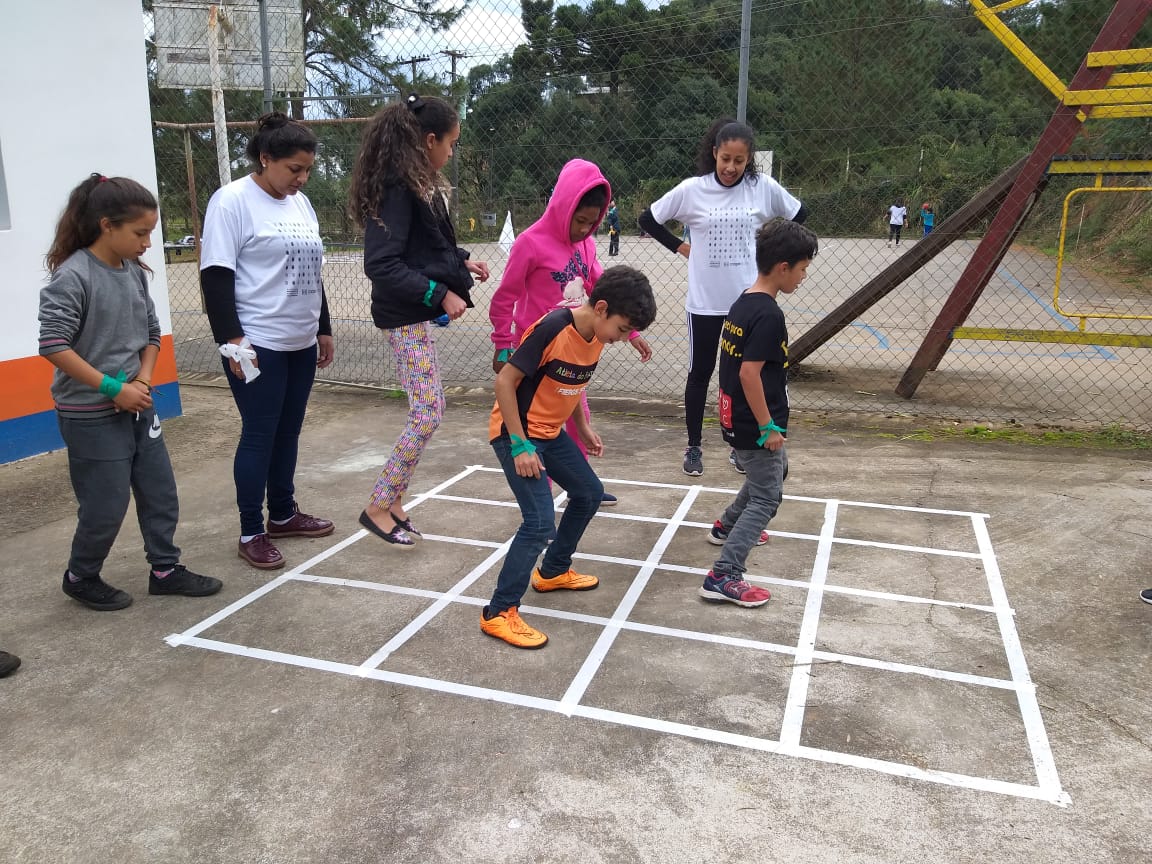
pixel 557 363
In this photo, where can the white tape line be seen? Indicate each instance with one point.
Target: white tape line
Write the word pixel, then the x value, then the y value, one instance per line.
pixel 896 769
pixel 417 623
pixel 798 687
pixel 1025 690
pixel 212 620
pixel 596 656
pixel 635 721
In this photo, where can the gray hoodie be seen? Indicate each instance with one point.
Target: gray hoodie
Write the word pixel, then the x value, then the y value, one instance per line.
pixel 106 316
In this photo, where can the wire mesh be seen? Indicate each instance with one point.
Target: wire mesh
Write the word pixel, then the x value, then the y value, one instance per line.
pixel 860 102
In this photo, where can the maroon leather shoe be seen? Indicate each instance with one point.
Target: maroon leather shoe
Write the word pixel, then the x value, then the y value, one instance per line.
pixel 260 553
pixel 300 525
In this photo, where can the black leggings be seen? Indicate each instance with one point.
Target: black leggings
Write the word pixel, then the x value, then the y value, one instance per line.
pixel 703 346
pixel 894 231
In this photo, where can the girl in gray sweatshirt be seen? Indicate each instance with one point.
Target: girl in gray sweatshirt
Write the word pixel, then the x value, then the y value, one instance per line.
pixel 98 327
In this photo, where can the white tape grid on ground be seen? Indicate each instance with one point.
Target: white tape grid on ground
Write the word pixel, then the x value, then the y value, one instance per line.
pixel 797 700
pixel 608 635
pixel 636 721
pixel 1025 690
pixel 1047 790
pixel 674 632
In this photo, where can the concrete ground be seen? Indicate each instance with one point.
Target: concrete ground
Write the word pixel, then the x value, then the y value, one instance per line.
pixel 879 709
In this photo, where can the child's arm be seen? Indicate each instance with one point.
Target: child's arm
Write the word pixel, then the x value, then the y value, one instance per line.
pixel 133 395
pixel 513 285
pixel 584 429
pixel 754 395
pixel 527 464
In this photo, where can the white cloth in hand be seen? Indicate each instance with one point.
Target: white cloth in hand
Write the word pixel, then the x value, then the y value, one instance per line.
pixel 243 354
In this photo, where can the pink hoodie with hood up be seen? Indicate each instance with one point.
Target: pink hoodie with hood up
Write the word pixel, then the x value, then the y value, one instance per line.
pixel 543 258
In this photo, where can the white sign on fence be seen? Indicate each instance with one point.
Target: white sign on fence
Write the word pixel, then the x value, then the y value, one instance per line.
pixel 181 37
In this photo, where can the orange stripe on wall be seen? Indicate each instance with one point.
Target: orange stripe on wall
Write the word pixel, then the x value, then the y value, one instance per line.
pixel 24 382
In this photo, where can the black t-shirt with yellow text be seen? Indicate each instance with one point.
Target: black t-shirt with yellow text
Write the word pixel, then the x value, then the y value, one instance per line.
pixel 754 332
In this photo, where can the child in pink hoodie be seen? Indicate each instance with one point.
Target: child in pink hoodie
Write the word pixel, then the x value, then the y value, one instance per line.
pixel 557 249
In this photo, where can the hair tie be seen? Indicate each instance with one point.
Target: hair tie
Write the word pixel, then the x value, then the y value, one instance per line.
pixel 102 179
pixel 414 102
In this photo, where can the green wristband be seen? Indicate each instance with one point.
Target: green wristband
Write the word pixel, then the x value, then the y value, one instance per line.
pixel 110 386
pixel 767 431
pixel 504 355
pixel 428 294
pixel 521 446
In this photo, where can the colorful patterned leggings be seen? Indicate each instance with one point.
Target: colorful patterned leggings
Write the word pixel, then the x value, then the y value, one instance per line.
pixel 419 373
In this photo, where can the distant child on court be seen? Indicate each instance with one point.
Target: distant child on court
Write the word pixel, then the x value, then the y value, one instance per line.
pixel 537 391
pixel 98 327
pixel 927 217
pixel 613 229
pixel 555 251
pixel 897 219
pixel 754 406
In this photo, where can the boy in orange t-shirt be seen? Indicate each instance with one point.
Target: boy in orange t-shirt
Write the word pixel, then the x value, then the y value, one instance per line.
pixel 536 392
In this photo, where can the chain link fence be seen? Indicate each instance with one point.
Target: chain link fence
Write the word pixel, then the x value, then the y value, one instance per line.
pixel 859 103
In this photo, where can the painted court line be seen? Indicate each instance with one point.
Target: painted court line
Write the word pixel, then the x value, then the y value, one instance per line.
pixel 1025 690
pixel 801 673
pixel 596 656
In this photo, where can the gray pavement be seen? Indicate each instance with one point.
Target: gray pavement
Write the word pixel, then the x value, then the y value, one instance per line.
pixel 879 709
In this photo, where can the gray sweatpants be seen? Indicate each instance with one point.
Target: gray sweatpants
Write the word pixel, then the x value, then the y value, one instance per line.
pixel 755 505
pixel 109 457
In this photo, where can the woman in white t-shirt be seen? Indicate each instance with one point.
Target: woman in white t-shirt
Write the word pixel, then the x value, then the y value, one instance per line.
pixel 897 219
pixel 722 208
pixel 260 262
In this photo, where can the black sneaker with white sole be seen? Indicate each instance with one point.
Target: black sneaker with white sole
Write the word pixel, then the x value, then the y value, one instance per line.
pixel 96 594
pixel 184 582
pixel 1146 595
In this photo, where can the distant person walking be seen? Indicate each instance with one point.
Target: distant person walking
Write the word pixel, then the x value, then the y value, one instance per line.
pixel 897 219
pixel 418 273
pixel 723 207
pixel 927 217
pixel 613 220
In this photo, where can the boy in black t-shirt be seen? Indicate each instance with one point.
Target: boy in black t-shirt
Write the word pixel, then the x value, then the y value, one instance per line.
pixel 754 406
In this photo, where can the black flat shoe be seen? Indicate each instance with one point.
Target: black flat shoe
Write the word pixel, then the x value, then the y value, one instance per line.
pixel 397 536
pixel 407 525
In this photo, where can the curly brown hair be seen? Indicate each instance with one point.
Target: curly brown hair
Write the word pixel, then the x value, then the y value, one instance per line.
pixel 392 149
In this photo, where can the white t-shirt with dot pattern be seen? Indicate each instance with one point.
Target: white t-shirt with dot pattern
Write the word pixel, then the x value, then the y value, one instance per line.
pixel 274 247
pixel 723 221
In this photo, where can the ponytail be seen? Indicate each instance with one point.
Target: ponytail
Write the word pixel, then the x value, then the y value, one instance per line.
pixel 392 150
pixel 280 137
pixel 116 199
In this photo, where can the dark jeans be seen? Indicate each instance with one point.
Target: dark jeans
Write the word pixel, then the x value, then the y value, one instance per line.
pixel 703 346
pixel 272 410
pixel 755 505
pixel 614 243
pixel 568 468
pixel 894 232
pixel 107 457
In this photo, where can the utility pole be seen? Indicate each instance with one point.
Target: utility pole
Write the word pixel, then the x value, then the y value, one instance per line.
pixel 455 55
pixel 414 61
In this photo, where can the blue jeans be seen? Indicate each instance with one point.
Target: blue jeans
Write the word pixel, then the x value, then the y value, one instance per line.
pixel 568 468
pixel 272 410
pixel 755 505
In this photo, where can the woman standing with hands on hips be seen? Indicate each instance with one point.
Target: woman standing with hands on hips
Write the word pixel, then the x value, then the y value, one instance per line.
pixel 418 273
pixel 723 208
pixel 260 263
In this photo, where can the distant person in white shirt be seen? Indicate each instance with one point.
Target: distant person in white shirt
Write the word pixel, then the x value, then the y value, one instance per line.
pixel 722 208
pixel 897 219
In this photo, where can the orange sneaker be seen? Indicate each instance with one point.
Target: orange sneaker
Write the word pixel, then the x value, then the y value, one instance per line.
pixel 509 626
pixel 571 580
